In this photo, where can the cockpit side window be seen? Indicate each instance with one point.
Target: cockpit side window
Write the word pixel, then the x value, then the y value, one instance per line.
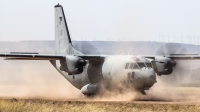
pixel 127 65
pixel 149 65
pixel 141 64
pixel 131 66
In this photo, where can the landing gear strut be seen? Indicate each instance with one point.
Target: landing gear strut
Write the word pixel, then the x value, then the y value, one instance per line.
pixel 143 92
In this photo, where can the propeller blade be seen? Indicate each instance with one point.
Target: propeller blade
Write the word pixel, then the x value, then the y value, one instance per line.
pixel 86 47
pixel 181 69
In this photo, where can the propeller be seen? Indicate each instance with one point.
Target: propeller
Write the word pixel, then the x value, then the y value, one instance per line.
pixel 86 47
pixel 182 68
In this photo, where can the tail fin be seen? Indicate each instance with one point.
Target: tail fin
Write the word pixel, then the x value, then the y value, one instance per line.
pixel 63 43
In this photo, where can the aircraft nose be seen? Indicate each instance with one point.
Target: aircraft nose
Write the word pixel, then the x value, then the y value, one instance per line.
pixel 150 78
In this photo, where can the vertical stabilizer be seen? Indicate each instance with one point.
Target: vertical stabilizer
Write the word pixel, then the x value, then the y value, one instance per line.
pixel 63 43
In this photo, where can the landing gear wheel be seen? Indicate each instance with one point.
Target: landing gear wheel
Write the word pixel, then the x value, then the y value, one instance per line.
pixel 89 95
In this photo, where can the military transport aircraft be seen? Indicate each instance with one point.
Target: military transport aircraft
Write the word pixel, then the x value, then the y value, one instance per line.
pixel 89 72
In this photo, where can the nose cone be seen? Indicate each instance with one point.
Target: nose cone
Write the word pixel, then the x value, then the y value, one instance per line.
pixel 150 77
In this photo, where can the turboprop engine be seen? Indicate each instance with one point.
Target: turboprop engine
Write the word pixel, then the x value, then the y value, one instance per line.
pixel 163 65
pixel 72 65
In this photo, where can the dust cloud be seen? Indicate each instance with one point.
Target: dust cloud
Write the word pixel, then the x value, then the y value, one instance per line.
pixel 34 79
pixel 161 91
pixel 166 92
pixel 185 88
pixel 181 85
pixel 118 92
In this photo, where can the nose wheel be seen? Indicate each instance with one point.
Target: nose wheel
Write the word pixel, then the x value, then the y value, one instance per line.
pixel 137 97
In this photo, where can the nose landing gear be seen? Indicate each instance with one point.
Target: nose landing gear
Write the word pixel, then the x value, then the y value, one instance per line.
pixel 143 92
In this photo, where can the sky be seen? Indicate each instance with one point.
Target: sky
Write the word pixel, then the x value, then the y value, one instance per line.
pixel 114 20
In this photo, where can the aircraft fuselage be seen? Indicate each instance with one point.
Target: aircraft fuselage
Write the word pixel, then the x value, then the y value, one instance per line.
pixel 134 72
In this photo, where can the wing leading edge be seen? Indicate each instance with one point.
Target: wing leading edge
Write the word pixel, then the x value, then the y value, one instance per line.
pixel 21 56
pixel 178 57
pixel 31 57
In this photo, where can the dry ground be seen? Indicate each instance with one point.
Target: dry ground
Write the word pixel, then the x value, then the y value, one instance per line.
pixel 161 99
pixel 39 105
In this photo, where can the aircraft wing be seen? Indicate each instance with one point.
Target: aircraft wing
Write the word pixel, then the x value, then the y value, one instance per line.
pixel 178 56
pixel 92 57
pixel 36 56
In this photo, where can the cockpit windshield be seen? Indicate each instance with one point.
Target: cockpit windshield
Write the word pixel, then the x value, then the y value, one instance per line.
pixel 149 65
pixel 141 65
pixel 136 66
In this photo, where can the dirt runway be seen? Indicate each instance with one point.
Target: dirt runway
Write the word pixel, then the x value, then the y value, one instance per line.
pixel 41 105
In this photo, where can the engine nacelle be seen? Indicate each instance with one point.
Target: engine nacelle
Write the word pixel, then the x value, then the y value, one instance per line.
pixel 90 89
pixel 72 65
pixel 163 65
